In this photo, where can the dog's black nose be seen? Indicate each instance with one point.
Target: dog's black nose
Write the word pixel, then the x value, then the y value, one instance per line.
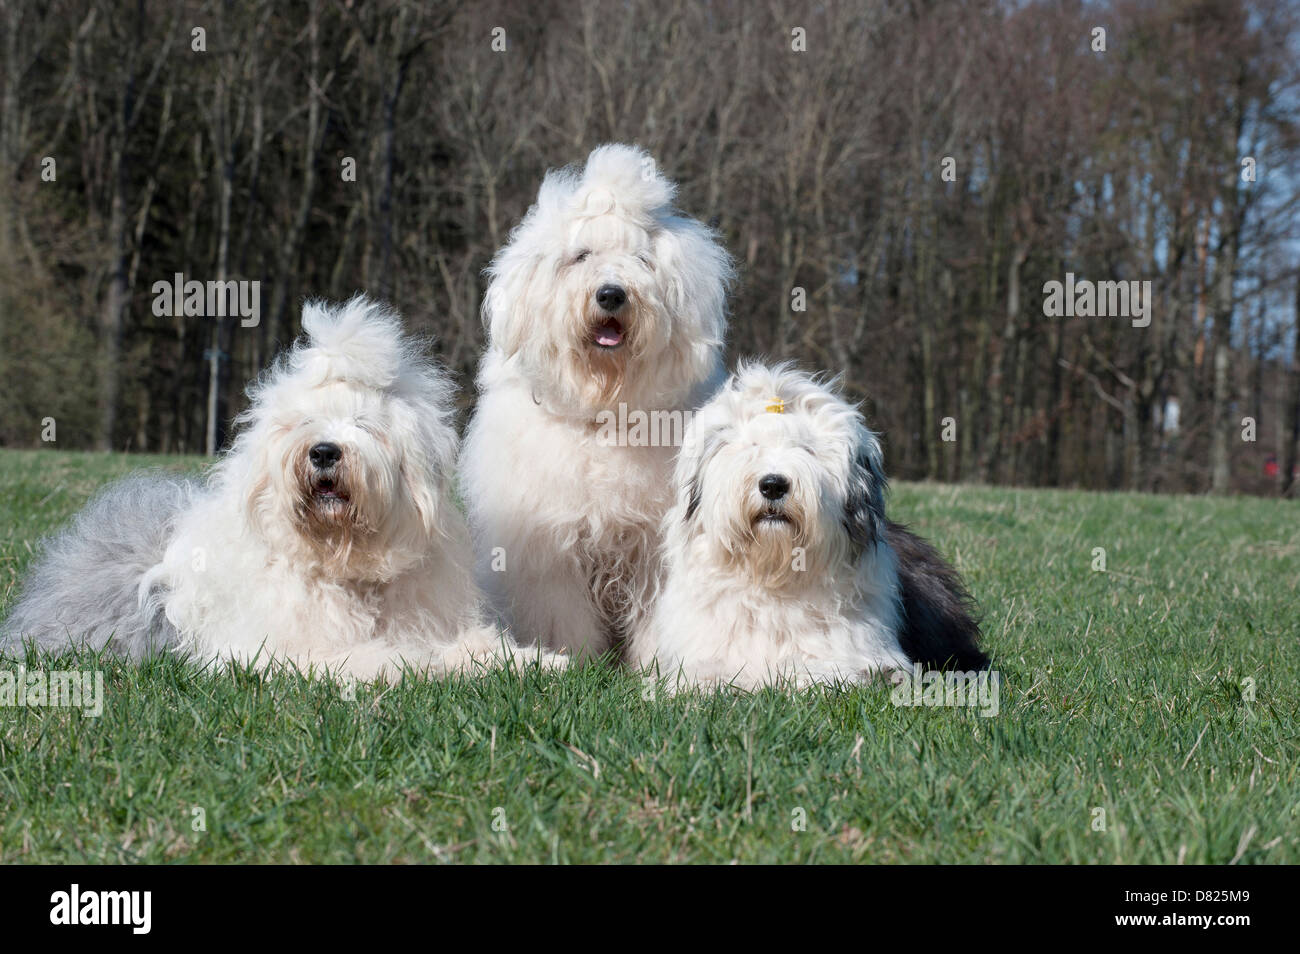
pixel 611 298
pixel 325 455
pixel 773 486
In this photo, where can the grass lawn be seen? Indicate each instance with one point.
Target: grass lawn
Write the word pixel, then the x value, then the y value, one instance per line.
pixel 1122 692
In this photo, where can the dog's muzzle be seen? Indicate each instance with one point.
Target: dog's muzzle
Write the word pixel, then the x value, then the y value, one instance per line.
pixel 609 333
pixel 771 516
pixel 327 489
pixel 774 488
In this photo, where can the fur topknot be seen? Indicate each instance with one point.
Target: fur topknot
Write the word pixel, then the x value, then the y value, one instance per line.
pixel 754 386
pixel 360 341
pixel 616 177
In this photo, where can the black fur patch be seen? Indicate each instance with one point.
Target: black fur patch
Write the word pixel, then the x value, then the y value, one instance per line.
pixel 693 498
pixel 708 447
pixel 864 509
pixel 939 627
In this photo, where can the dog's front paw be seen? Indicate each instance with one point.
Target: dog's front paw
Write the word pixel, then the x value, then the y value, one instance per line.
pixel 549 660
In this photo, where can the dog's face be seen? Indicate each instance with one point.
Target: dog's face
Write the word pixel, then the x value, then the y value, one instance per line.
pixel 345 472
pixel 603 294
pixel 608 306
pixel 337 466
pixel 345 456
pixel 781 478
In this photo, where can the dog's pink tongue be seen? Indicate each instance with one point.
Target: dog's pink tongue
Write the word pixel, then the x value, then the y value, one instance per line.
pixel 609 334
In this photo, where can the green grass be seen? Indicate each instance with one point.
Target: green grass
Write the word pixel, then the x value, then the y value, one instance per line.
pixel 1121 691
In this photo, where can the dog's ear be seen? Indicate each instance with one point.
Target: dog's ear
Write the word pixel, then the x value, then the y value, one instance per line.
pixel 255 493
pixel 431 445
pixel 864 507
pixel 423 488
pixel 508 304
pixel 702 271
pixel 247 469
pixel 694 463
pixel 521 275
pixel 692 496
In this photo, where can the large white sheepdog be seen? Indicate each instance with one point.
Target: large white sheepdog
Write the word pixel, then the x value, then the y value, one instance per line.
pixel 605 310
pixel 781 565
pixel 324 538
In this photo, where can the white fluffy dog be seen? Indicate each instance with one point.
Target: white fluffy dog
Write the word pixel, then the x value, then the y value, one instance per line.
pixel 604 303
pixel 781 566
pixel 324 538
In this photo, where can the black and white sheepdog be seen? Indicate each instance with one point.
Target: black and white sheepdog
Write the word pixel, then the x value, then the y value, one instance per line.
pixel 780 563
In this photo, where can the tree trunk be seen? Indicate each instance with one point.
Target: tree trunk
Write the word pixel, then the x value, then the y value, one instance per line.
pixel 997 378
pixel 289 248
pixel 1290 484
pixel 114 302
pixel 1221 425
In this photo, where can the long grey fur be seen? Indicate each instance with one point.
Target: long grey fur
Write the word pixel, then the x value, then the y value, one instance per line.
pixel 84 588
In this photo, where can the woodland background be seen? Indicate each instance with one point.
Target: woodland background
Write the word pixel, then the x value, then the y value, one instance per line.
pixel 822 169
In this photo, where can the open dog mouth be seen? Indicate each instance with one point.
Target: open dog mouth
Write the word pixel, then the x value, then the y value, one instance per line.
pixel 772 518
pixel 608 334
pixel 325 490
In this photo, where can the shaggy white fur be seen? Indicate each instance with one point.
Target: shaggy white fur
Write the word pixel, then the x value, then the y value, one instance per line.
pixel 778 561
pixel 325 537
pixel 604 302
